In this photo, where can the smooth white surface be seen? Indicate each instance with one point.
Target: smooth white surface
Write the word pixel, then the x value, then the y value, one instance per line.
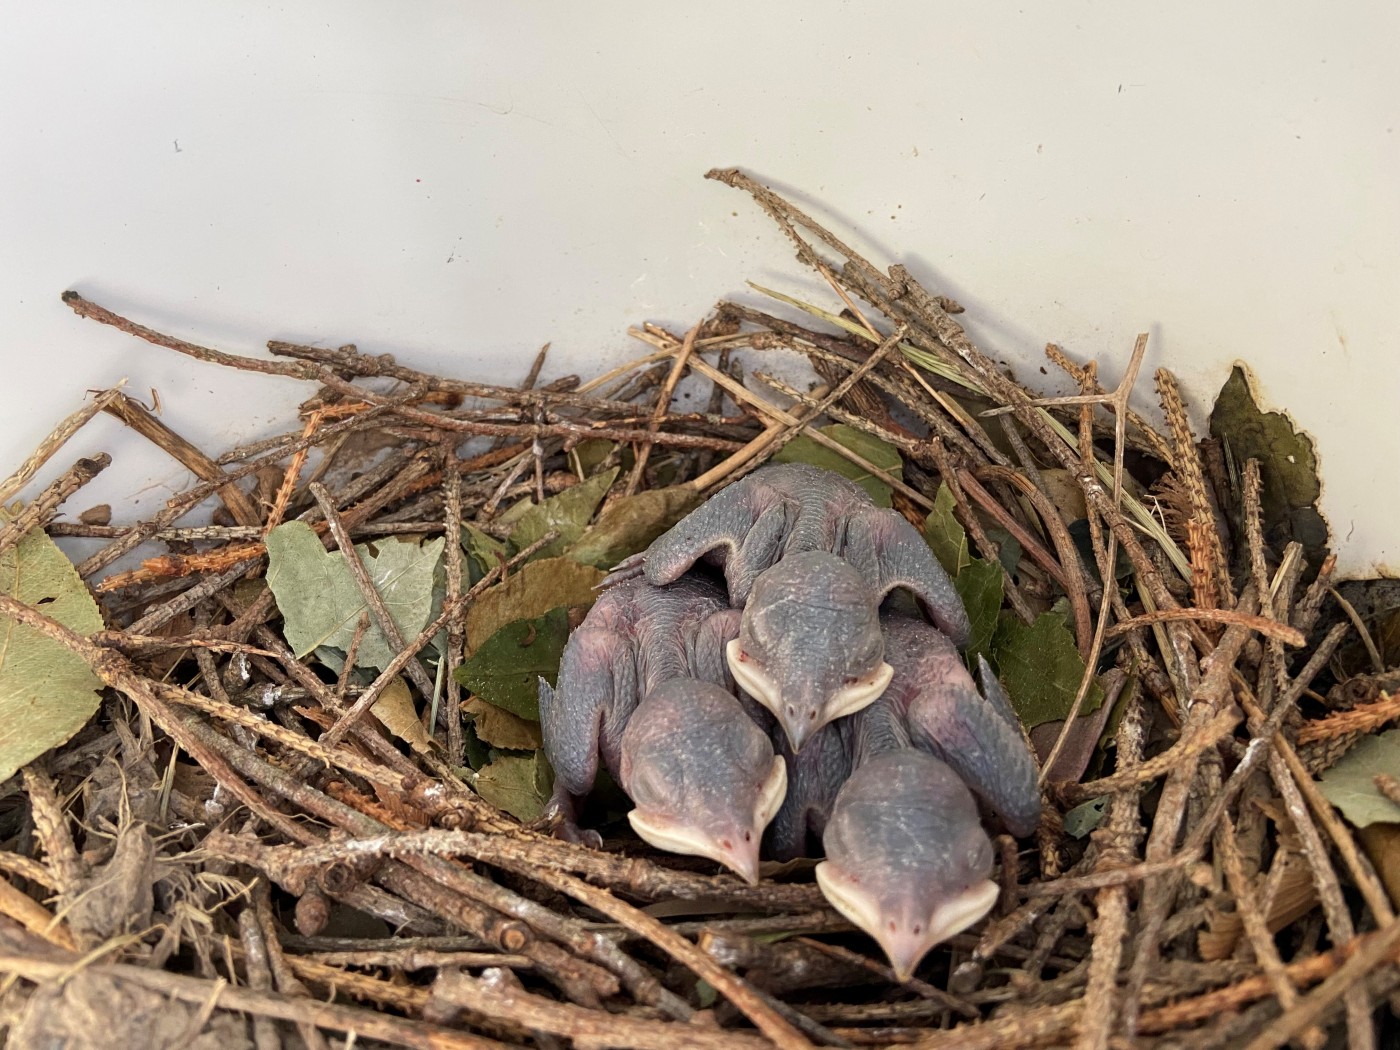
pixel 460 183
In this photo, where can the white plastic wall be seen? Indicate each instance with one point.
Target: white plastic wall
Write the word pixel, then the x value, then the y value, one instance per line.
pixel 459 183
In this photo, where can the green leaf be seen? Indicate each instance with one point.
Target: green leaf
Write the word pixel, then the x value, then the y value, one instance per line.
pixel 505 671
pixel 1085 817
pixel 1008 549
pixel 537 588
pixel 518 784
pixel 631 523
pixel 1287 464
pixel 1041 668
pixel 321 605
pixel 47 692
pixel 802 449
pixel 1350 784
pixel 980 586
pixel 945 535
pixel 482 548
pixel 567 513
pixel 590 454
pixel 705 995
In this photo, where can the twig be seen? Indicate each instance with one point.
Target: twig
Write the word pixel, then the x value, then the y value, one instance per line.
pixel 1117 844
pixel 663 403
pixel 1379 949
pixel 148 426
pixel 1377 664
pixel 1265 625
pixel 39 510
pixel 784 419
pixel 727 984
pixel 54 441
pixel 383 619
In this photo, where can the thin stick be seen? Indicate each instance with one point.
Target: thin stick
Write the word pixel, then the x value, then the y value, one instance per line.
pixel 1379 949
pixel 55 440
pixel 1268 627
pixel 383 619
pixel 1119 400
pixel 663 404
pixel 786 419
pixel 38 512
pixel 187 455
pixel 292 474
pixel 767 1020
pixel 452 509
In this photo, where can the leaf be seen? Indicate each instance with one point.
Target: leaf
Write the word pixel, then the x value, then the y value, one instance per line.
pixel 321 605
pixel 802 449
pixel 505 671
pixel 1287 463
pixel 631 523
pixel 483 548
pixel 1065 492
pixel 1008 549
pixel 1082 743
pixel 499 728
pixel 538 587
pixel 590 454
pixel 518 784
pixel 568 513
pixel 47 692
pixel 1041 668
pixel 396 713
pixel 1382 844
pixel 1085 817
pixel 1350 784
pixel 980 586
pixel 945 535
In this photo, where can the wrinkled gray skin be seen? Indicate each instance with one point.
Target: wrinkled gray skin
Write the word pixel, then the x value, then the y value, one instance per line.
pixel 814 776
pixel 810 647
pixel 907 859
pixel 702 774
pixel 784 508
pixel 634 638
pixel 947 717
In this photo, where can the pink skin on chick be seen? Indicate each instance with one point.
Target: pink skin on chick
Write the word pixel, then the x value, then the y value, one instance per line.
pixel 703 776
pixel 907 860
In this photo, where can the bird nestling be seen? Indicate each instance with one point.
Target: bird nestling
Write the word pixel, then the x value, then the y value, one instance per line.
pixel 702 774
pixel 810 648
pixel 907 859
pixel 784 509
pixel 635 638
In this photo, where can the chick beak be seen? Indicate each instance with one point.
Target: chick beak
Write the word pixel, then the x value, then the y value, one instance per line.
pixel 860 693
pixel 906 945
pixel 752 678
pixel 962 910
pixel 742 859
pixel 905 950
pixel 772 694
pixel 738 849
pixel 798 731
pixel 735 848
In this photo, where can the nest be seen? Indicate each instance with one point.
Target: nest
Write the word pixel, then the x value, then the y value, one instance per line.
pixel 255 832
